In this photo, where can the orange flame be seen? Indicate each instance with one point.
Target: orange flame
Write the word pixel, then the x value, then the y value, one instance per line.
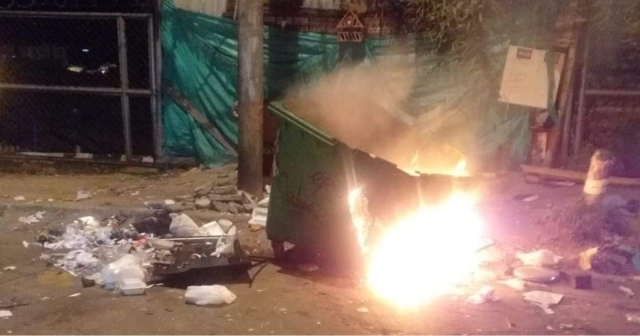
pixel 426 254
pixel 359 221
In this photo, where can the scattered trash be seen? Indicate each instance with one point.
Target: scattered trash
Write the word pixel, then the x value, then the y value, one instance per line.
pixel 550 328
pixel 565 326
pixel 19 198
pixel 161 244
pixel 363 310
pixel 88 220
pixel 585 258
pixel 135 193
pixel 308 268
pixel 25 244
pixel 74 295
pixel 35 218
pixel 157 224
pixel 83 195
pixel 627 291
pixel 10 268
pixel 225 245
pixel 5 314
pixel 169 202
pixel 633 318
pixel 182 226
pixel 515 283
pixel 129 286
pixel 259 216
pixel 544 300
pixel 209 295
pixel 126 269
pixel 525 197
pixel 225 225
pixel 613 258
pixel 213 229
pixel 536 274
pixel 542 257
pixel 485 294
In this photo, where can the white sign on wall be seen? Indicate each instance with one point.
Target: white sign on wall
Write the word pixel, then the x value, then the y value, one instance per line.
pixel 525 81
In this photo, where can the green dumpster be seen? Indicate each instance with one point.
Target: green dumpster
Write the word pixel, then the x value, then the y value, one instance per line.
pixel 309 195
pixel 314 175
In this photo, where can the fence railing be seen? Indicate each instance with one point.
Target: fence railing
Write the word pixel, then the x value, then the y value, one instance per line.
pixel 83 83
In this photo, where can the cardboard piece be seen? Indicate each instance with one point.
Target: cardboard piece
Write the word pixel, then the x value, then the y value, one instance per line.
pixel 525 81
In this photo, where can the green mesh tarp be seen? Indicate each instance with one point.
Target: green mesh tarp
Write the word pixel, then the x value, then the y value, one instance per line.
pixel 200 60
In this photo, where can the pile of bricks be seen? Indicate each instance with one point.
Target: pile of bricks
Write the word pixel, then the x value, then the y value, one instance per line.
pixel 220 195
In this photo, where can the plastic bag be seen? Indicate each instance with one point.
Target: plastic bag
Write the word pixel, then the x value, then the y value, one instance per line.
pixel 182 226
pixel 126 268
pixel 485 294
pixel 539 258
pixel 213 229
pixel 225 244
pixel 209 295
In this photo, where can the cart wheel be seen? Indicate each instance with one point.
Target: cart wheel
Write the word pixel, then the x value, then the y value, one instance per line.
pixel 278 250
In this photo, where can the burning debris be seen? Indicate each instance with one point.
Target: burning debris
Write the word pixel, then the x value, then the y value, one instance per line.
pixel 452 228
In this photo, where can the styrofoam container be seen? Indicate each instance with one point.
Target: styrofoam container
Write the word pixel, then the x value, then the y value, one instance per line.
pixel 132 287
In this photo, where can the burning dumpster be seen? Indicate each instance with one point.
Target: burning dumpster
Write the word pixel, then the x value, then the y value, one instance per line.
pixel 348 194
pixel 330 198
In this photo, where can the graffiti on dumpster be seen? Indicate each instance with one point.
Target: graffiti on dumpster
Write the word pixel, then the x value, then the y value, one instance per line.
pixel 321 181
pixel 294 198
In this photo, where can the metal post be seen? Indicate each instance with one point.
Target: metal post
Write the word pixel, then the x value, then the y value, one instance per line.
pixel 159 135
pixel 124 85
pixel 152 83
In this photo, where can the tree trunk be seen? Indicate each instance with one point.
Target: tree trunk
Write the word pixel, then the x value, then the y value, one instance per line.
pixel 250 95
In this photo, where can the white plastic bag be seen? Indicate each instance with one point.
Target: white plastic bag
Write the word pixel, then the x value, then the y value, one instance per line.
pixel 209 295
pixel 213 229
pixel 485 294
pixel 226 243
pixel 126 268
pixel 182 226
pixel 542 257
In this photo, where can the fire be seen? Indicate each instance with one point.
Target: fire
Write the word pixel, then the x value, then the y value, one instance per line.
pixel 460 169
pixel 426 254
pixel 355 207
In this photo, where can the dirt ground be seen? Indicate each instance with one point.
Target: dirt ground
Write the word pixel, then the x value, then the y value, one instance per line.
pixel 281 301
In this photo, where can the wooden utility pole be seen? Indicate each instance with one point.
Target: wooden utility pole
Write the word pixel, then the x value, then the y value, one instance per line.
pixel 250 95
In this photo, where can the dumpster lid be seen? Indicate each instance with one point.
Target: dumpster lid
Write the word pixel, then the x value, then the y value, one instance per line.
pixel 279 109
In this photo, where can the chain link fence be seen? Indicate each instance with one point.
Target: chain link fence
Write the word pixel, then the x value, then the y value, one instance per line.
pixel 78 83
